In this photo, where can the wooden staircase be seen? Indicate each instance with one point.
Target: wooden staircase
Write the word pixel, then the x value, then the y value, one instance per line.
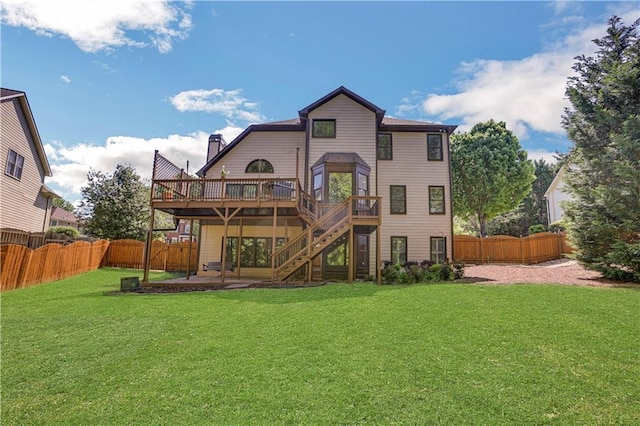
pixel 309 243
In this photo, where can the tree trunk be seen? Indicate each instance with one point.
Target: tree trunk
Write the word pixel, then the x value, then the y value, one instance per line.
pixel 482 220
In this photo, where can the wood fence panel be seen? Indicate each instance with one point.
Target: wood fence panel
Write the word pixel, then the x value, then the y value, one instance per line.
pixel 467 247
pixel 44 265
pixel 544 246
pixel 535 248
pixel 158 256
pixel 178 254
pixel 12 258
pixel 98 254
pixel 502 249
pixel 566 248
pixel 125 254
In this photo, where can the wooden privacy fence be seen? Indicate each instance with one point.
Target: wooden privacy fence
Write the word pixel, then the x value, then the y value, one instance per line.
pixel 31 239
pixel 535 248
pixel 166 257
pixel 24 267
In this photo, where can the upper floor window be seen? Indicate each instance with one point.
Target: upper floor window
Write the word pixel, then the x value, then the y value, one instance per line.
pixel 324 128
pixel 436 199
pixel 385 146
pixel 15 164
pixel 259 166
pixel 434 147
pixel 398 199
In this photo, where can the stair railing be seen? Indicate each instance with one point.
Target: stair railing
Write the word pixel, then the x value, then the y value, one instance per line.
pixel 302 243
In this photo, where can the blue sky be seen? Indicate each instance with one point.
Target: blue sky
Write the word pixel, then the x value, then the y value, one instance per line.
pixel 111 81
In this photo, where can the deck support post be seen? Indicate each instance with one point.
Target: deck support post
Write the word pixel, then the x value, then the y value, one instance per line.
pixel 226 217
pixel 378 256
pixel 147 252
pixel 273 241
pixel 352 256
pixel 189 250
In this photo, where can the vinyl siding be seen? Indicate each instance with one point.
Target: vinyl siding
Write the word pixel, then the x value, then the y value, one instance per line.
pixel 356 131
pixel 279 148
pixel 410 167
pixel 27 209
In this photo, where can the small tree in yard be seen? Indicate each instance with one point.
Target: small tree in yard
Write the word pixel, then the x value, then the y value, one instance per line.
pixel 603 174
pixel 115 206
pixel 491 173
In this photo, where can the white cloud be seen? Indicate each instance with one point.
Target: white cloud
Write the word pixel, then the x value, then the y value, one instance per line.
pixel 65 79
pixel 70 165
pixel 527 94
pixel 102 24
pixel 542 154
pixel 228 103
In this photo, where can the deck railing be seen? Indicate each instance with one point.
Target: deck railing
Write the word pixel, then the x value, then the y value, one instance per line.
pixel 225 189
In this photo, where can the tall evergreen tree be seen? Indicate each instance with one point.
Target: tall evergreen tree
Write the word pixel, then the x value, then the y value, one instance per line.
pixel 533 209
pixel 603 176
pixel 491 173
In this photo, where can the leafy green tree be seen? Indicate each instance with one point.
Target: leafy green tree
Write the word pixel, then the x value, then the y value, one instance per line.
pixel 603 174
pixel 491 173
pixel 533 209
pixel 63 204
pixel 115 206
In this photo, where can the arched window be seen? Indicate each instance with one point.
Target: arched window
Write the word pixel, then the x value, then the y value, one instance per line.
pixel 259 166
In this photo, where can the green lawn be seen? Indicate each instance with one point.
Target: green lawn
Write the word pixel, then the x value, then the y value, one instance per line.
pixel 337 354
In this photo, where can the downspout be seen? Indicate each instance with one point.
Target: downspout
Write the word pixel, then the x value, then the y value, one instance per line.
pixel 46 213
pixel 306 157
pixel 450 193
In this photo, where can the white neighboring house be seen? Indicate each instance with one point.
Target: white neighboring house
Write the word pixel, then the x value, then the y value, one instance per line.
pixel 555 196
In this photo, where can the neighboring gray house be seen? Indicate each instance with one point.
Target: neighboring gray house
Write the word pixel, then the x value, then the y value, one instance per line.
pixel 326 195
pixel 26 200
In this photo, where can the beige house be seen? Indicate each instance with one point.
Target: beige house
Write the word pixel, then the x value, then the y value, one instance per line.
pixel 330 194
pixel 25 199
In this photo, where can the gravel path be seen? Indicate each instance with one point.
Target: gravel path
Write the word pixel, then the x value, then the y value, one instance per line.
pixel 562 271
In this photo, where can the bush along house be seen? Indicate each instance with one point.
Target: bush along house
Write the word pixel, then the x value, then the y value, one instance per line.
pixel 328 195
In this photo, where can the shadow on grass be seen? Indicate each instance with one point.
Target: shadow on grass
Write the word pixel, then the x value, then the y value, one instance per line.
pixel 278 296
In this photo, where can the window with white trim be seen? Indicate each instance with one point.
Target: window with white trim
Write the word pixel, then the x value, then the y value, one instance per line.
pixel 15 164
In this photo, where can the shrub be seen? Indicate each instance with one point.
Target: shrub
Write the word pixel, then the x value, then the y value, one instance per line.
pixel 535 229
pixel 65 230
pixel 458 270
pixel 558 226
pixel 390 273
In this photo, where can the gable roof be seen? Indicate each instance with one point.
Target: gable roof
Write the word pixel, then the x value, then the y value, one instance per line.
pixel 304 112
pixel 6 94
pixel 61 214
pixel 299 124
